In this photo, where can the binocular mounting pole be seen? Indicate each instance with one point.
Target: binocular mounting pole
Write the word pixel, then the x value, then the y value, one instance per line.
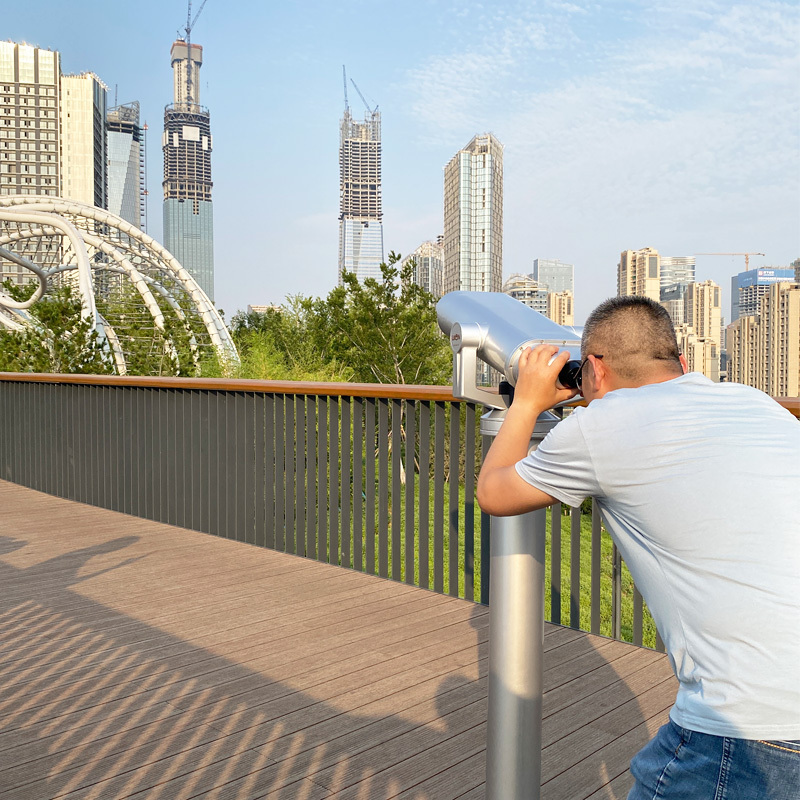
pixel 516 605
pixel 516 643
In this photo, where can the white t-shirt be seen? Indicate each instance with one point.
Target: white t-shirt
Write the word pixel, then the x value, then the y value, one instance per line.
pixel 699 485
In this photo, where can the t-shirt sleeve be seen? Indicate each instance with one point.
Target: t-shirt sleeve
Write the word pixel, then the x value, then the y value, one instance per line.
pixel 562 465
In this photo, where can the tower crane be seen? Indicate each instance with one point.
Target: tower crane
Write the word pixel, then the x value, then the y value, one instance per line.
pixel 746 257
pixel 188 31
pixel 363 99
pixel 344 81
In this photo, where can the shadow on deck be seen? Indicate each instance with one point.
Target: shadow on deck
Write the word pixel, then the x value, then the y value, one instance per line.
pixel 143 660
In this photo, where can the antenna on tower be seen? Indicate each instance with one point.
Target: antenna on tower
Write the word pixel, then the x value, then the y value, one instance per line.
pixel 344 81
pixel 188 31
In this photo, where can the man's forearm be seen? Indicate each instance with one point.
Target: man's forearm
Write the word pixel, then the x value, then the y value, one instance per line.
pixel 513 439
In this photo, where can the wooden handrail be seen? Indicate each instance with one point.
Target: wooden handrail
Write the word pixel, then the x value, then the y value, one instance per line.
pixel 388 390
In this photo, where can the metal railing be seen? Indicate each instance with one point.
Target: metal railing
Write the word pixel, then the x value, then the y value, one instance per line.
pixel 370 477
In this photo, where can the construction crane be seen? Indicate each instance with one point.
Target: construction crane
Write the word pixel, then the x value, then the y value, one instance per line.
pixel 344 81
pixel 363 99
pixel 188 31
pixel 746 257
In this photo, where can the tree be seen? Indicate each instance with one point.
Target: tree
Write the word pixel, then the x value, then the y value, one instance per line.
pixel 385 330
pixel 378 331
pixel 57 338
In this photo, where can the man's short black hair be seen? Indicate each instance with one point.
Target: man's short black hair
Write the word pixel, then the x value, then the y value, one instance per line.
pixel 631 333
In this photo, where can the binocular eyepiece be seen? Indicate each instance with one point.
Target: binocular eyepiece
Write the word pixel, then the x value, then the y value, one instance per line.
pixel 568 377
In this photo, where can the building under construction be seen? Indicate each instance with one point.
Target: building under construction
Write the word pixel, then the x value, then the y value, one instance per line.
pixel 187 143
pixel 127 164
pixel 360 210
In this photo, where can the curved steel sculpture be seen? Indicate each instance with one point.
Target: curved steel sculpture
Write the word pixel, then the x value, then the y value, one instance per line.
pixel 101 256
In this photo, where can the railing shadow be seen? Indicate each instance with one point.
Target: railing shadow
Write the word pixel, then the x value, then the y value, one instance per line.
pixel 102 704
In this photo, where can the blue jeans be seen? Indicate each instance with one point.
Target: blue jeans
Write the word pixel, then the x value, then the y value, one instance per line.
pixel 679 764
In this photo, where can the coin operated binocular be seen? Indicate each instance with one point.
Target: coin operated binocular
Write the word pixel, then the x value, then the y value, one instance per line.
pixel 497 329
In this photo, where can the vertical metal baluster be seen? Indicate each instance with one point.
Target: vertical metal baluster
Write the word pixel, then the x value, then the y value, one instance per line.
pixel 247 457
pixel 218 466
pixel 555 563
pixel 454 545
pixel 486 442
pixel 345 493
pixel 575 567
pixel 174 454
pixel 280 472
pixel 333 482
pixel 424 492
pixel 660 643
pixel 469 502
pixel 438 498
pixel 383 487
pixel 270 492
pixel 322 482
pixel 314 445
pixel 411 448
pixel 234 472
pixel 596 566
pixel 260 469
pixel 397 491
pixel 637 617
pixel 616 593
pixel 358 484
pixel 206 446
pixel 290 444
pixel 369 460
pixel 300 508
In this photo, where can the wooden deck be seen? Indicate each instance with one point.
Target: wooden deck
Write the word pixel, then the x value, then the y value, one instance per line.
pixel 143 660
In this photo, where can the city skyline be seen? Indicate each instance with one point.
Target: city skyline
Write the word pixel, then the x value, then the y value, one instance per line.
pixel 700 104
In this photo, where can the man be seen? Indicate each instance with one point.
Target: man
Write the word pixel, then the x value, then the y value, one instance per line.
pixel 699 486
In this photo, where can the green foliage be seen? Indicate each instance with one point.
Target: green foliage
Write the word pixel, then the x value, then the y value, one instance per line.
pixel 149 350
pixel 375 331
pixel 58 340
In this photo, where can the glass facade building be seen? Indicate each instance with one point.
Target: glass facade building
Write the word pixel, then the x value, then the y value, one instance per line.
pixel 554 275
pixel 360 204
pixel 473 217
pixel 187 145
pixel 126 164
pixel 747 288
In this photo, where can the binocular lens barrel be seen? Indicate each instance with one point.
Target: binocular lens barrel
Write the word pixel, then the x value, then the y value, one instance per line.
pixel 568 377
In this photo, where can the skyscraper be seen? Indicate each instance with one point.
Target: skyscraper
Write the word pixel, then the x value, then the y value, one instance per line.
pixel 84 156
pixel 639 273
pixel 29 139
pixel 126 164
pixel 747 288
pixel 360 209
pixel 676 271
pixel 553 274
pixel 473 217
pixel 187 143
pixel 29 120
pixel 764 348
pixel 429 261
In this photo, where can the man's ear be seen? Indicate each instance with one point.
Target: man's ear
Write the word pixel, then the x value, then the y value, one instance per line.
pixel 684 364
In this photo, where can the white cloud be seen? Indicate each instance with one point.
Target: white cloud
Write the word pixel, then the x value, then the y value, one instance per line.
pixel 686 131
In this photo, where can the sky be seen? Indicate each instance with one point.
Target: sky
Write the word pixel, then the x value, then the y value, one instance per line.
pixel 672 124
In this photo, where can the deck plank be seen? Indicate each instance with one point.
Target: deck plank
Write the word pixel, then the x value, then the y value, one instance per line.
pixel 141 660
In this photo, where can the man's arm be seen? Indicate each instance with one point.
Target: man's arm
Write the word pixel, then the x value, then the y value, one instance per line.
pixel 501 491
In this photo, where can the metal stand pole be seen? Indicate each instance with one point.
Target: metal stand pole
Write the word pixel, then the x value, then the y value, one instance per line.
pixel 516 634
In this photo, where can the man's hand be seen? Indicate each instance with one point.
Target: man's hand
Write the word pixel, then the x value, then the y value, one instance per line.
pixel 501 491
pixel 536 389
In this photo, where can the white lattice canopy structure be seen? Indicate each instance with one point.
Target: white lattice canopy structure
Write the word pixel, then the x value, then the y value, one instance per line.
pixel 132 290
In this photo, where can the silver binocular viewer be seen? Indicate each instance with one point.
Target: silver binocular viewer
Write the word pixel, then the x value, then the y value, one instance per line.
pixel 497 329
